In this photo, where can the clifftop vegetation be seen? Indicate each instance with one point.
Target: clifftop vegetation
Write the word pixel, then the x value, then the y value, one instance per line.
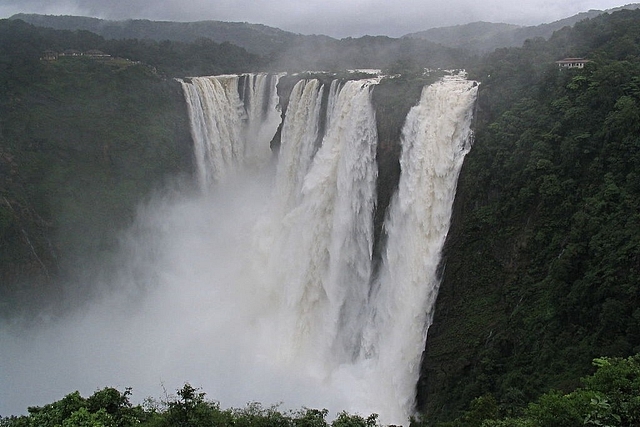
pixel 608 397
pixel 189 408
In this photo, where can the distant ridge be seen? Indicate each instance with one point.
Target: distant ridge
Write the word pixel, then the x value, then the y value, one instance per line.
pixel 255 38
pixel 476 37
pixel 482 37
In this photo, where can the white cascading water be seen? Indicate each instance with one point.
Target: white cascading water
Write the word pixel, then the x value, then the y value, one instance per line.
pixel 299 133
pixel 259 287
pixel 435 139
pixel 230 134
pixel 321 257
pixel 361 339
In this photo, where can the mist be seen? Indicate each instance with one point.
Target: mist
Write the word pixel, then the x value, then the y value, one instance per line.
pixel 183 305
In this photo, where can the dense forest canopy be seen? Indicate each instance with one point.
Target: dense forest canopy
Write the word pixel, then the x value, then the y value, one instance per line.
pixel 542 264
pixel 543 259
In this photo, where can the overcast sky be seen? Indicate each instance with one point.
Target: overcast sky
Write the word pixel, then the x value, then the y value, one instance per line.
pixel 337 18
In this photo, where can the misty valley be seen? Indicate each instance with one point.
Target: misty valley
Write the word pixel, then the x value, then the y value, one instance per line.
pixel 427 234
pixel 266 269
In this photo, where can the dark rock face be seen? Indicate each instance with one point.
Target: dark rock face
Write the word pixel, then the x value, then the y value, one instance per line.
pixel 74 164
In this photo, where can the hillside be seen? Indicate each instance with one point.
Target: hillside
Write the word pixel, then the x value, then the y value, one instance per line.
pixel 26 42
pixel 484 37
pixel 541 267
pixel 179 54
pixel 255 38
pixel 82 141
pixel 476 36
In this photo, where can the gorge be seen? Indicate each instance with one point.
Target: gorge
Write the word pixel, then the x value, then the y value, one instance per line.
pixel 262 283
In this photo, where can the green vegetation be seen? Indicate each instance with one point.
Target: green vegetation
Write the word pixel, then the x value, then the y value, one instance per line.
pixel 111 408
pixel 81 143
pixel 22 42
pixel 202 57
pixel 542 265
pixel 609 397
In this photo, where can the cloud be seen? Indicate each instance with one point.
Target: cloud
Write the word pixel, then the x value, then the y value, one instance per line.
pixel 338 18
pixel 66 7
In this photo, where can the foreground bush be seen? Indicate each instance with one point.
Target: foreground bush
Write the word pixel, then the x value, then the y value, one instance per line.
pixel 111 408
pixel 609 397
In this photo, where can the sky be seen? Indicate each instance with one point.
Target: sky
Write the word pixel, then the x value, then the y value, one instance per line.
pixel 336 18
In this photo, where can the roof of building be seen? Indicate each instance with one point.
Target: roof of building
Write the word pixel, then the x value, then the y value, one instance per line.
pixel 567 60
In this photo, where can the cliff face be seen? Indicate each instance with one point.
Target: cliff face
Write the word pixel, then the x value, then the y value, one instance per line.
pixel 81 144
pixel 472 314
pixel 540 269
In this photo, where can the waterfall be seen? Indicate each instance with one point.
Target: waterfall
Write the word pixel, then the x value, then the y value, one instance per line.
pixel 229 132
pixel 435 139
pixel 327 216
pixel 327 317
pixel 299 135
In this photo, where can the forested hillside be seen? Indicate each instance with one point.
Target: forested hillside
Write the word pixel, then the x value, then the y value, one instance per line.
pixel 541 270
pixel 258 39
pixel 81 142
pixel 484 37
pixel 24 42
pixel 209 47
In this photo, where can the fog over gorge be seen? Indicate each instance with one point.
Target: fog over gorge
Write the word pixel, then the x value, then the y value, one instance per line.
pixel 259 285
pixel 198 322
pixel 192 249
